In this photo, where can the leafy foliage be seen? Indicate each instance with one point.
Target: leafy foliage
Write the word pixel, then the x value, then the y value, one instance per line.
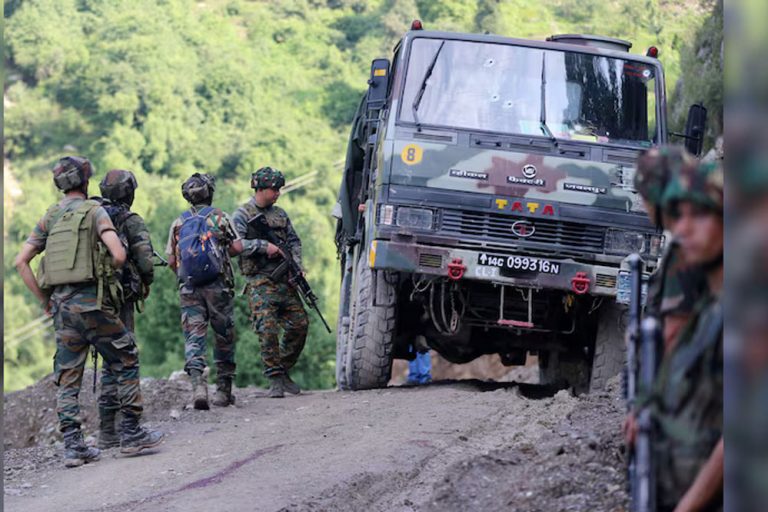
pixel 167 88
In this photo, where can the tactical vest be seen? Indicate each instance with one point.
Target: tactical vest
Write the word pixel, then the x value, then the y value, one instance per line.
pixel 260 264
pixel 74 254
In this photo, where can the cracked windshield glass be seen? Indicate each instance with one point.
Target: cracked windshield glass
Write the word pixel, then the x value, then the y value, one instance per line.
pixel 499 88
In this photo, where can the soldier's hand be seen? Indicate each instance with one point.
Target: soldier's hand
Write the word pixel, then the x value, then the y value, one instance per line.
pixel 629 429
pixel 146 291
pixel 273 250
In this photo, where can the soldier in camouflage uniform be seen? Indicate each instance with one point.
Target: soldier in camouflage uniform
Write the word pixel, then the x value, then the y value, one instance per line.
pixel 687 398
pixel 674 286
pixel 274 303
pixel 212 303
pixel 82 317
pixel 117 190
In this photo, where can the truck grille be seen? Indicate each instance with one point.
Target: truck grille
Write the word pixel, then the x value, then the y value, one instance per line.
pixel 559 236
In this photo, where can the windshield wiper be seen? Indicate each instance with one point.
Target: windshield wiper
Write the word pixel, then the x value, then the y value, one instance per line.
pixel 420 94
pixel 543 116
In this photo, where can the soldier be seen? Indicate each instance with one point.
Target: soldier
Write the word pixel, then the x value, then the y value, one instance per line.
pixel 274 303
pixel 117 190
pixel 687 399
pixel 674 286
pixel 84 311
pixel 210 302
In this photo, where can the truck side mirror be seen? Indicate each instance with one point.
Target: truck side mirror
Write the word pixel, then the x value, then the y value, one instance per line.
pixel 695 127
pixel 378 84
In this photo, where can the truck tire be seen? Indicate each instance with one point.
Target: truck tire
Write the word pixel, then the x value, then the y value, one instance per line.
pixel 565 370
pixel 369 354
pixel 342 333
pixel 342 337
pixel 610 351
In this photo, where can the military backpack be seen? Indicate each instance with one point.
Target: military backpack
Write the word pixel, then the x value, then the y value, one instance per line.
pixel 201 257
pixel 129 277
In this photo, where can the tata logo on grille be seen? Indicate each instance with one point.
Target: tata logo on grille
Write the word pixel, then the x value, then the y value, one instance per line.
pixel 523 229
pixel 529 171
pixel 530 207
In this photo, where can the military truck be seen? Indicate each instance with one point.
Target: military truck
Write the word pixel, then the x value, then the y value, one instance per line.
pixel 487 203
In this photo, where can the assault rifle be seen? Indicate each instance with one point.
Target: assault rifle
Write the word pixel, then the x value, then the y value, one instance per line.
pixel 630 370
pixel 642 339
pixel 295 275
pixel 644 486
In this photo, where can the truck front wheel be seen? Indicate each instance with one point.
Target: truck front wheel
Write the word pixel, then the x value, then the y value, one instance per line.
pixel 610 349
pixel 369 351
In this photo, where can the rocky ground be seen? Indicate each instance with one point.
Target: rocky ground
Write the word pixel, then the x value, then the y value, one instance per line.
pixel 448 446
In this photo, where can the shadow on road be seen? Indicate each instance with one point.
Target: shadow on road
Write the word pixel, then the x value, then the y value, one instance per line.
pixel 532 391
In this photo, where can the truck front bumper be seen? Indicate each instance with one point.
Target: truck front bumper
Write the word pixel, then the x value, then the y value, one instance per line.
pixel 462 264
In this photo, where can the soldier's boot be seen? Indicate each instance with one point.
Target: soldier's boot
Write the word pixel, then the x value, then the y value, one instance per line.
pixel 223 396
pixel 289 386
pixel 276 389
pixel 108 437
pixel 199 390
pixel 134 438
pixel 76 452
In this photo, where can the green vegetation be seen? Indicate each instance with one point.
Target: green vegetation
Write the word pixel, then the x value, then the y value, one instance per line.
pixel 702 72
pixel 166 88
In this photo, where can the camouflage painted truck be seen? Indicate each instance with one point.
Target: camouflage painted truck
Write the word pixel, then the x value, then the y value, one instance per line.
pixel 487 204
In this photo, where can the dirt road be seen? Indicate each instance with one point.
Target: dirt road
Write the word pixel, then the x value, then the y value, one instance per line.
pixel 443 447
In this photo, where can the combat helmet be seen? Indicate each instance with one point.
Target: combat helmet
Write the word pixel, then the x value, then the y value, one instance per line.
pixel 71 172
pixel 118 186
pixel 654 168
pixel 701 184
pixel 198 189
pixel 267 177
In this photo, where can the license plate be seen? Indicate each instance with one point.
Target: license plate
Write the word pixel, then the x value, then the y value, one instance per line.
pixel 518 264
pixel 624 288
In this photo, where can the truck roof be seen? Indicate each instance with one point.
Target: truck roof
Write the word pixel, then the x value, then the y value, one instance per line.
pixel 533 43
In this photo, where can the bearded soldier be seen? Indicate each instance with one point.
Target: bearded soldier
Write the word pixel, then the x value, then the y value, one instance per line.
pixel 75 286
pixel 273 302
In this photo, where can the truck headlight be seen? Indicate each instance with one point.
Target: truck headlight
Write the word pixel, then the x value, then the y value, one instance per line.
pixel 406 217
pixel 414 218
pixel 619 241
pixel 386 214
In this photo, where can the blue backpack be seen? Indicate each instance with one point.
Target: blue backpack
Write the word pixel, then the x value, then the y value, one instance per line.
pixel 201 257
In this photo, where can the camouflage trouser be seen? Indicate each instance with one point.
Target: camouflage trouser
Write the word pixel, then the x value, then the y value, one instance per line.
pixel 75 332
pixel 108 398
pixel 275 305
pixel 212 304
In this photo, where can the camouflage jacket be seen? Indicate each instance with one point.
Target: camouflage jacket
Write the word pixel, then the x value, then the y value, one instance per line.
pixel 79 298
pixel 254 260
pixel 221 225
pixel 687 404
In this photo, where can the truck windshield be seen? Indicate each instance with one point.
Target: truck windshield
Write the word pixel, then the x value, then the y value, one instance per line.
pixel 498 88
